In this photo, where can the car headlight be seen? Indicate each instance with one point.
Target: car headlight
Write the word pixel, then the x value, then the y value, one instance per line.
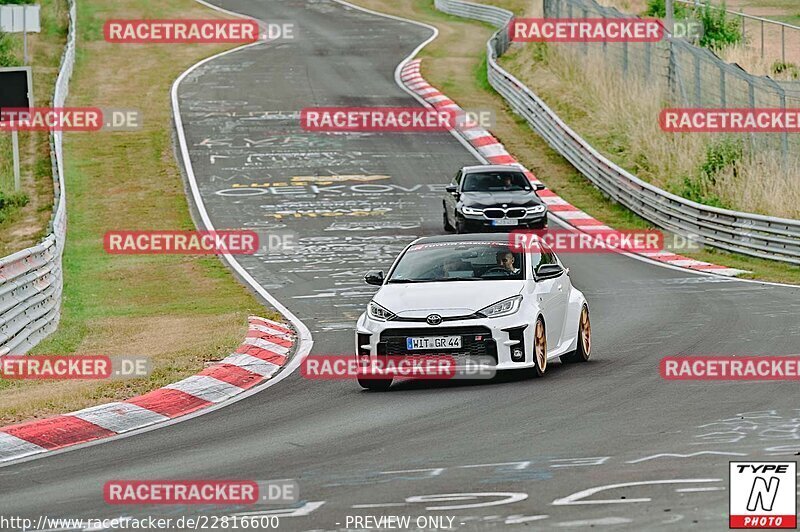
pixel 470 210
pixel 377 312
pixel 536 209
pixel 502 308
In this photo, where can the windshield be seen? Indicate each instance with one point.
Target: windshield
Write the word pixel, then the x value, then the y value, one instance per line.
pixel 501 181
pixel 459 261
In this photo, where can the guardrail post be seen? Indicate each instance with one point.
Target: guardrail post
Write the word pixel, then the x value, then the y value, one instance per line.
pixel 585 45
pixel 751 98
pixel 744 31
pixel 698 99
pixel 784 134
pixel 625 58
pixel 783 44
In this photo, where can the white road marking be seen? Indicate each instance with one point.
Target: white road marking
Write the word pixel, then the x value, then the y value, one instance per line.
pixel 577 498
pixel 678 455
pixel 508 498
pixel 594 522
pixel 517 465
pixel 516 519
pixel 378 505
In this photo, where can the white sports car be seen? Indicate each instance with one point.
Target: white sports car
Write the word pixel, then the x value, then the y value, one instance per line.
pixel 473 296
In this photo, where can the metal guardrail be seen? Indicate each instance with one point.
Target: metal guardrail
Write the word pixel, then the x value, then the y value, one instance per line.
pixel 750 234
pixel 31 280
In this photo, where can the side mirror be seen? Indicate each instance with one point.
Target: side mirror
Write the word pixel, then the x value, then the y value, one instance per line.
pixel 452 189
pixel 548 271
pixel 538 186
pixel 374 277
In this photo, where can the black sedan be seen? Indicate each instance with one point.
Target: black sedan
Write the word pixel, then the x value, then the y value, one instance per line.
pixel 492 197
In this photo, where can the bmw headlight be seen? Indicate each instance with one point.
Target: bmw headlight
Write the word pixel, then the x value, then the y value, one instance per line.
pixel 470 210
pixel 502 308
pixel 377 312
pixel 536 209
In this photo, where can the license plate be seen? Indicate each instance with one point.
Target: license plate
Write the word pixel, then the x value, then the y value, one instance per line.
pixel 505 221
pixel 433 342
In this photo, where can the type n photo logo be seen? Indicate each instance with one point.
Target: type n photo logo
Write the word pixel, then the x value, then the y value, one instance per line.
pixel 763 495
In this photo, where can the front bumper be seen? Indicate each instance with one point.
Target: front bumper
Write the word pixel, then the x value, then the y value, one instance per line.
pixel 479 221
pixel 497 338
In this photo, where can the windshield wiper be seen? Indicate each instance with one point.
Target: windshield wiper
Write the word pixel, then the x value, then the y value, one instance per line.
pixel 399 281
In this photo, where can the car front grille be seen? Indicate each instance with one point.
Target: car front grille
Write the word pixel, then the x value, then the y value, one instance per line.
pixel 514 212
pixel 475 342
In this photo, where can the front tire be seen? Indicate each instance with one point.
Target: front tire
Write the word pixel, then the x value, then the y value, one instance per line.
pixel 375 385
pixel 584 350
pixel 539 349
pixel 445 222
pixel 461 226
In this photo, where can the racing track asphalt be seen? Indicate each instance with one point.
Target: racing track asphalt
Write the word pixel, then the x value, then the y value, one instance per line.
pixel 607 422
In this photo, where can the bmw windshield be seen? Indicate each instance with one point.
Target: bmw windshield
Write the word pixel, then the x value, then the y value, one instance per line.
pixel 459 261
pixel 502 181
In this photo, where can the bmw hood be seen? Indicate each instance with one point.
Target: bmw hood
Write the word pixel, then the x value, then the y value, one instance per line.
pixel 449 298
pixel 482 200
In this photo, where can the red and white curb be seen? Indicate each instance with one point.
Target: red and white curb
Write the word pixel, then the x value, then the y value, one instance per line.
pixel 263 352
pixel 494 152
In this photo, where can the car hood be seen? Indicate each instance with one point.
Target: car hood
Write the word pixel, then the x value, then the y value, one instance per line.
pixel 482 200
pixel 450 298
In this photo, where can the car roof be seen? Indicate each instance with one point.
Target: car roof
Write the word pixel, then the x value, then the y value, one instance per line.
pixel 470 237
pixel 473 237
pixel 492 168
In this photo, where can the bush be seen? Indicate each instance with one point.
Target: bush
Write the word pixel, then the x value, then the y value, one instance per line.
pixel 658 8
pixel 10 203
pixel 720 30
pixel 7 56
pixel 722 155
pixel 780 67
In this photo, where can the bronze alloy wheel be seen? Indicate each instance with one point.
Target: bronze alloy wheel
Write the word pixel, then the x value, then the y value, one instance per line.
pixel 540 349
pixel 586 332
pixel 584 348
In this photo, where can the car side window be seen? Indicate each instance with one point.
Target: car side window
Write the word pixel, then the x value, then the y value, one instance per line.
pixel 457 178
pixel 547 257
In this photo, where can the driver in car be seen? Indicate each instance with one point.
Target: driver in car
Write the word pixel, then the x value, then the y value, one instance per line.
pixel 505 259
